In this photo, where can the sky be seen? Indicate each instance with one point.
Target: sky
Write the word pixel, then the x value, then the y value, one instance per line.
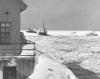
pixel 62 14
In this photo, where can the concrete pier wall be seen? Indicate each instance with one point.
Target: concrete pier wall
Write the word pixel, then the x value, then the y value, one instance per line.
pixel 25 67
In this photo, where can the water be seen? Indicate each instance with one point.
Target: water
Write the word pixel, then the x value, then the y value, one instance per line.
pixel 65 33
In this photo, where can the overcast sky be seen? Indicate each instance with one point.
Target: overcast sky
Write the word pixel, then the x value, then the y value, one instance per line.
pixel 62 14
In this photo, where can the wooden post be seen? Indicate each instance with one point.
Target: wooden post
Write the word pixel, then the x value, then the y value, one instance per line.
pixel 34 48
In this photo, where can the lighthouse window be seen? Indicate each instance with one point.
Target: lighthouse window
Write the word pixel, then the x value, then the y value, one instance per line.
pixel 2 24
pixel 5 32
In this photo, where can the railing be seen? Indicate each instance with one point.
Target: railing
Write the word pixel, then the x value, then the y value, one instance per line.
pixel 3 55
pixel 23 66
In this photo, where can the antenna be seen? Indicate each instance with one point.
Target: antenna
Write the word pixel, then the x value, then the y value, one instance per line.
pixel 34 26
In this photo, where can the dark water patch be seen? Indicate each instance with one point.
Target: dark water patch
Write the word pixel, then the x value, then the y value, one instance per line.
pixel 80 72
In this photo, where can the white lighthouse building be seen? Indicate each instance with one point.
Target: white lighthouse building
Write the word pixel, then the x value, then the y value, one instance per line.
pixel 10 11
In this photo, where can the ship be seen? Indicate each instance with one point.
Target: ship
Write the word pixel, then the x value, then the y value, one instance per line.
pixel 43 30
pixel 32 30
pixel 92 34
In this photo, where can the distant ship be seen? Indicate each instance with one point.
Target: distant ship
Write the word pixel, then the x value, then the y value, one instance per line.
pixel 43 30
pixel 32 30
pixel 73 33
pixel 92 34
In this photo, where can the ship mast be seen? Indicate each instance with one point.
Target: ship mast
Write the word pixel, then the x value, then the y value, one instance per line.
pixel 44 26
pixel 34 27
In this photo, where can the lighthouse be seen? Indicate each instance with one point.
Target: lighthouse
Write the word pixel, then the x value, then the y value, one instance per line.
pixel 10 11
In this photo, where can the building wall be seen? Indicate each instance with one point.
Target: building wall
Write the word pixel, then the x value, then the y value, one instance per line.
pixel 25 67
pixel 13 8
